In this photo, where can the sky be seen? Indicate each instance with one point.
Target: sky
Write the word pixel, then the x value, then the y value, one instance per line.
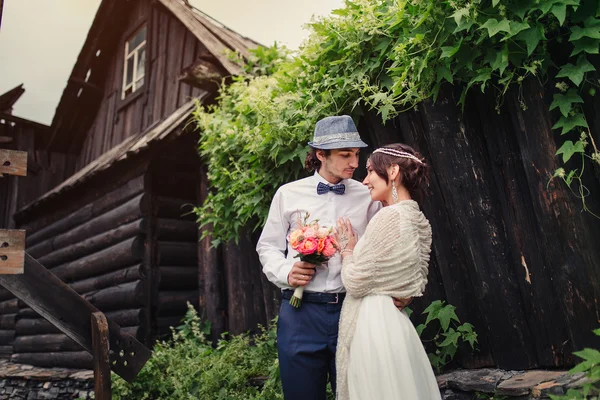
pixel 41 39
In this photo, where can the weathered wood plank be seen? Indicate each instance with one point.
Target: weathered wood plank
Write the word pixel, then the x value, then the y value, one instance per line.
pixel 118 277
pixel 87 246
pixel 13 162
pixel 100 344
pixel 120 255
pixel 12 251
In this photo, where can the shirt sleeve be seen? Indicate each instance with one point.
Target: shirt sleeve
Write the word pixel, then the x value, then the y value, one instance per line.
pixel 272 244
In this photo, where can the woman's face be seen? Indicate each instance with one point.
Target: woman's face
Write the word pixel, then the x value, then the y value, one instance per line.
pixel 380 191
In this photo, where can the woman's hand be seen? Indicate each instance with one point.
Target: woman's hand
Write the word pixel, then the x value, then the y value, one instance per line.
pixel 345 236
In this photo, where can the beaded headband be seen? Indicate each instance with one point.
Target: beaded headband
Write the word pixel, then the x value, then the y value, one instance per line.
pixel 397 153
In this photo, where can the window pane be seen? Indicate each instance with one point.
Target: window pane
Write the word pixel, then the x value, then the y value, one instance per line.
pixel 137 39
pixel 141 63
pixel 139 83
pixel 129 71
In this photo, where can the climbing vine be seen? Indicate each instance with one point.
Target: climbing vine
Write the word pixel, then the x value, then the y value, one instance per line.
pixel 390 55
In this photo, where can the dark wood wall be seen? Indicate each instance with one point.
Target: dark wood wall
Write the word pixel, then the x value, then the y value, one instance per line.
pixel 170 48
pixel 45 169
pixel 514 253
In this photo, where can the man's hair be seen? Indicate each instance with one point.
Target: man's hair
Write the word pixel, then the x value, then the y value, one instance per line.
pixel 312 163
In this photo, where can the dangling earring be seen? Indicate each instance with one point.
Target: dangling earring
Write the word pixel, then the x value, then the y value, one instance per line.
pixel 394 193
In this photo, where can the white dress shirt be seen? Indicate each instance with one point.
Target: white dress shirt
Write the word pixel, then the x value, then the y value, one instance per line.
pixel 295 199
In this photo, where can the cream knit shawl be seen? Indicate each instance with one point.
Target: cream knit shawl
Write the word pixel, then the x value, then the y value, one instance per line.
pixel 390 259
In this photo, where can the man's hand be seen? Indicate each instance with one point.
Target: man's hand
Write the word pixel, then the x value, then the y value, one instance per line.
pixel 301 273
pixel 401 303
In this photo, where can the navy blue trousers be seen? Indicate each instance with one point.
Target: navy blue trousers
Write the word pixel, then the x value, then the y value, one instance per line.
pixel 306 343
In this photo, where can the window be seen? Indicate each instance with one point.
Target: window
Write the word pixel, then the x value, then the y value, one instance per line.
pixel 135 62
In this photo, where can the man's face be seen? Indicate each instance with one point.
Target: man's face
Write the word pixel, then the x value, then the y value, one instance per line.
pixel 340 164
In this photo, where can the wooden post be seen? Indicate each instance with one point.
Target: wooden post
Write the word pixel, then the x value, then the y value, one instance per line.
pixel 12 251
pixel 100 348
pixel 13 162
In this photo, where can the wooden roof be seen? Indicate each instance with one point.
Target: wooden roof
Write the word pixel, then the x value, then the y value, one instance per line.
pixel 102 40
pixel 8 99
pixel 130 147
pixel 217 38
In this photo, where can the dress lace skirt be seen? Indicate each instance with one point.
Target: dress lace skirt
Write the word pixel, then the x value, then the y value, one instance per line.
pixel 387 360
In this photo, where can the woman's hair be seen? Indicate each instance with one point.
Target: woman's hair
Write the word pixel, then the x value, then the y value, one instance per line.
pixel 312 163
pixel 414 175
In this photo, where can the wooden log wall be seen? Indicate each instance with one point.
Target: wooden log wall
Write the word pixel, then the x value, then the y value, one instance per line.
pixel 517 258
pixel 174 177
pixel 99 251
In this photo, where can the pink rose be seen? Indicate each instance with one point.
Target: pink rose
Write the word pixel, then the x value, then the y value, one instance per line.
pixel 329 248
pixel 308 246
pixel 309 232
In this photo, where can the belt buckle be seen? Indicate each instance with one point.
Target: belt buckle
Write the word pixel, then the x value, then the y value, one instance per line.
pixel 337 299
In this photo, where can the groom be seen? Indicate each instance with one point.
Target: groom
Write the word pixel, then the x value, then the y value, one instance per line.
pixel 307 336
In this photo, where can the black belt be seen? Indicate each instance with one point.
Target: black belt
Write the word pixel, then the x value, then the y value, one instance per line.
pixel 316 297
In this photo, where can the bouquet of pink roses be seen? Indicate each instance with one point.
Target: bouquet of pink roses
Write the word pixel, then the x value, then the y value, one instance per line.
pixel 315 244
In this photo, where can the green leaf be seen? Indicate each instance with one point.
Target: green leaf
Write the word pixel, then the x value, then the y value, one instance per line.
pixel 591 355
pixel 591 29
pixel 483 77
pixel 515 28
pixel 443 73
pixel 532 37
pixel 495 3
pixel 465 25
pixel 449 51
pixel 386 110
pixel 587 45
pixel 420 328
pixel 459 14
pixel 521 7
pixel 568 149
pixel 432 310
pixel 501 61
pixel 451 339
pixel 568 123
pixel 576 72
pixel 493 26
pixel 565 101
pixel 445 315
pixel 560 12
pixel 581 367
pixel 596 332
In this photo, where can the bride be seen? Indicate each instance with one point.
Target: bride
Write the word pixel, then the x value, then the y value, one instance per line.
pixel 379 354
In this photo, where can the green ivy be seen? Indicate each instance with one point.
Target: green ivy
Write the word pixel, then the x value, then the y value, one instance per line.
pixel 390 55
pixel 449 333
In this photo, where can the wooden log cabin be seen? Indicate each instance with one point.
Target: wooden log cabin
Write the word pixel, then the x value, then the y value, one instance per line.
pixel 108 207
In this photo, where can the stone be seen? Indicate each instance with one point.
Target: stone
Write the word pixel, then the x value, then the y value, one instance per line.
pixel 522 384
pixel 450 394
pixel 480 380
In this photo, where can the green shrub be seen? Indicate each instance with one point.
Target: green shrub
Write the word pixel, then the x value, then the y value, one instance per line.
pixel 188 367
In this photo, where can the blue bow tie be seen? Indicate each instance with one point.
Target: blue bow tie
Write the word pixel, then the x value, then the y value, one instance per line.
pixel 337 189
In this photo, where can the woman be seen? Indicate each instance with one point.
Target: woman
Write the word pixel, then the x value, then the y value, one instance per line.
pixel 379 353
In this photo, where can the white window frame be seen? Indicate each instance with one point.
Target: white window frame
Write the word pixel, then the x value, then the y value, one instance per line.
pixel 128 55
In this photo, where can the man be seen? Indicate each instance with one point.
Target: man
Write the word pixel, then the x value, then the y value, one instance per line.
pixel 307 336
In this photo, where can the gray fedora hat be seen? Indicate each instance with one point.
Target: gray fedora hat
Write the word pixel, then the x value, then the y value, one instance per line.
pixel 338 132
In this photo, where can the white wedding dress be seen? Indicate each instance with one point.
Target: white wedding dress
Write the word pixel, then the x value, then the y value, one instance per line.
pixel 379 355
pixel 387 360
